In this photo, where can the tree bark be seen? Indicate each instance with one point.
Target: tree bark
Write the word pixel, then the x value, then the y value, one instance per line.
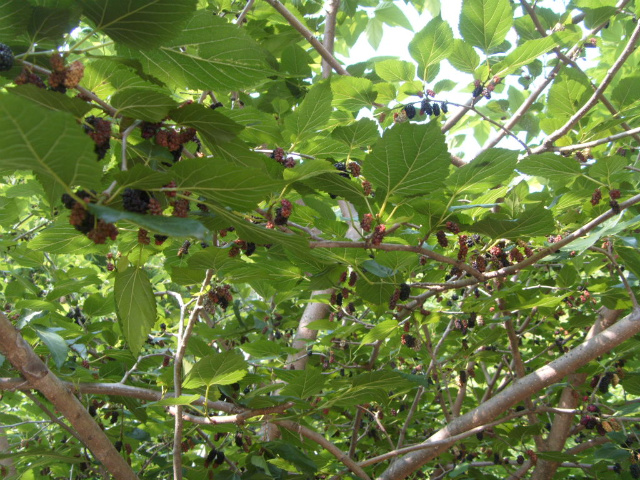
pixel 39 377
pixel 551 373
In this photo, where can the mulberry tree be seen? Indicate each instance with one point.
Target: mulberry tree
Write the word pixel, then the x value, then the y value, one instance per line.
pixel 230 252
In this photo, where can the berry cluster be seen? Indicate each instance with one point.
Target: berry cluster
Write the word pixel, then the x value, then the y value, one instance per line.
pixel 99 130
pixel 149 130
pixel 63 77
pixel 28 77
pixel 214 458
pixel 453 227
pixel 367 188
pixel 174 140
pixel 248 248
pixel 180 207
pixel 6 58
pixel 366 222
pixel 283 212
pixel 515 255
pixel 408 340
pixel 479 89
pixel 405 291
pixel 442 239
pixel 596 197
pixel 379 233
pixel 143 237
pixel 85 222
pixel 463 248
pixel 135 200
pixel 280 156
pixel 221 296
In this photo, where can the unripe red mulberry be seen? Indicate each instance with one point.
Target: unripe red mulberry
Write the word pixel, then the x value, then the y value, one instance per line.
pixel 378 235
pixel 442 239
pixel 366 222
pixel 453 227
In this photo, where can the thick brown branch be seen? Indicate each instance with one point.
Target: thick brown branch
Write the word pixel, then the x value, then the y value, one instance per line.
pixel 523 388
pixel 38 376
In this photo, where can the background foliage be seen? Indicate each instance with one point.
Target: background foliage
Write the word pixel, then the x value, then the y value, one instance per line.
pixel 244 266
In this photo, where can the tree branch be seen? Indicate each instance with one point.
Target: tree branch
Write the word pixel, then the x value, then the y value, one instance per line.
pixel 295 23
pixel 403 248
pixel 523 388
pixel 327 445
pixel 331 9
pixel 547 143
pixel 39 377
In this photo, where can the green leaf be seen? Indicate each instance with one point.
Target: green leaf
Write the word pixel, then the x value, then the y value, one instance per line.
pixel 217 369
pixel 213 127
pixel 570 90
pixel 171 226
pixel 44 141
pixel 381 331
pixel 98 306
pixel 486 171
pixel 13 18
pixel 262 349
pixel 63 238
pixel 292 454
pixel 378 270
pixel 392 70
pixel 535 221
pixel 302 383
pixel 485 23
pixel 139 23
pixel 352 93
pixel 390 13
pixel 408 160
pixel 631 383
pixel 258 126
pixel 52 100
pixel 524 54
pixel 223 182
pixel 626 91
pixel 51 20
pixel 181 400
pixel 144 103
pixel 552 167
pixel 630 259
pixel 135 306
pixel 463 57
pixel 55 343
pixel 374 32
pixel 362 133
pixel 430 46
pixel 312 114
pixel 211 257
pixel 210 53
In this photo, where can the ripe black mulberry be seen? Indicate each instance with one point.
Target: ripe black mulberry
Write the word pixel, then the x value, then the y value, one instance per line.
pixel 405 291
pixel 410 110
pixel 6 58
pixel 135 200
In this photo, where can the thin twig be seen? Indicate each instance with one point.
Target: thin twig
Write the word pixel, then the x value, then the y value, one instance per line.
pixel 245 12
pixel 595 143
pixel 547 143
pixel 184 333
pixel 403 248
pixel 327 445
pixel 295 23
